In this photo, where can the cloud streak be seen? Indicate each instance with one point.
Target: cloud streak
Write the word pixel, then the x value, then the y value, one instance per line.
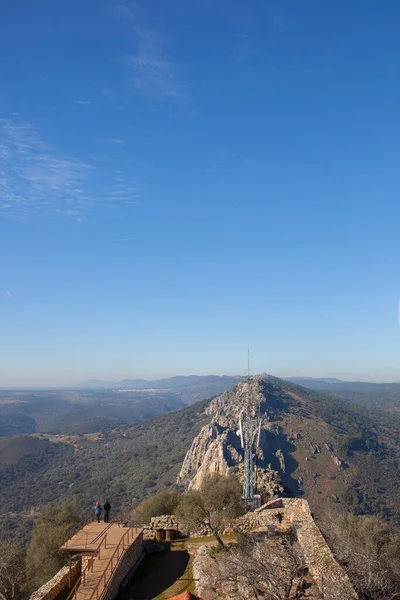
pixel 36 179
pixel 152 73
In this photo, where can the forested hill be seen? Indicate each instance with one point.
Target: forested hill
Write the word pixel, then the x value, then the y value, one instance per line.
pixel 125 464
pixel 382 396
pixel 131 462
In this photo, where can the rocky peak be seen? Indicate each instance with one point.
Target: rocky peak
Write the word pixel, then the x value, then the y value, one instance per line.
pixel 217 448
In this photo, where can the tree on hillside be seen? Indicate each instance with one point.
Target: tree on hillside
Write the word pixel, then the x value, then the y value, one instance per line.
pixel 12 570
pixel 51 530
pixel 214 505
pixel 256 567
pixel 369 551
pixel 163 503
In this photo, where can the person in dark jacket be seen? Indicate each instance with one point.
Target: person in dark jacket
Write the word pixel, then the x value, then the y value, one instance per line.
pixel 107 508
pixel 97 511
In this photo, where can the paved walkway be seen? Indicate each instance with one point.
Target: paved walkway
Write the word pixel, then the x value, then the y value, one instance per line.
pixel 103 546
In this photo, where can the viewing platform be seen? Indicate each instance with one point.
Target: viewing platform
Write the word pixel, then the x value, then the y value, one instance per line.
pixel 109 552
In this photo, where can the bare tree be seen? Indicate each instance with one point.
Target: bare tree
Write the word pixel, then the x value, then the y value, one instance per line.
pixel 213 506
pixel 12 570
pixel 369 551
pixel 259 568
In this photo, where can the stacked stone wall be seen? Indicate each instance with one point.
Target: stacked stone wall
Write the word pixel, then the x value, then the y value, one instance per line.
pixel 59 583
pixel 164 522
pixel 326 571
pixel 295 516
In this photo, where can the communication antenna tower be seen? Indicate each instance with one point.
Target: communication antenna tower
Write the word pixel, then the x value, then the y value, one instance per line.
pixel 249 431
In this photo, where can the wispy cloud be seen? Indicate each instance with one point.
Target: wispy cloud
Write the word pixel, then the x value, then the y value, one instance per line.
pixel 36 179
pixel 8 293
pixel 153 74
pixel 114 141
pixel 84 102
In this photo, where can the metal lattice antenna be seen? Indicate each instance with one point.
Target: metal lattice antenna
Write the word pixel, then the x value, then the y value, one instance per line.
pixel 249 431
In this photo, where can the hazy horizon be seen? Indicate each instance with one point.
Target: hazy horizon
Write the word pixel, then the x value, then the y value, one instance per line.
pixel 74 383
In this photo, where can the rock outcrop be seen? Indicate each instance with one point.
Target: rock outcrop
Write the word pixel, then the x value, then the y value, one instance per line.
pixel 299 450
pixel 217 448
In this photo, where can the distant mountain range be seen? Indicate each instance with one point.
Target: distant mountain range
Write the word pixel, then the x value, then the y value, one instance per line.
pixel 382 396
pixel 316 380
pixel 98 405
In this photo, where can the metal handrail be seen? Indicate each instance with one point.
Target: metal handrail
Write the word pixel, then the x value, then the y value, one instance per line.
pixel 84 521
pixel 81 577
pixel 116 552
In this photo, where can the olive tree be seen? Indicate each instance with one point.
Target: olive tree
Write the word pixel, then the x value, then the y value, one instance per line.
pixel 52 528
pixel 213 506
pixel 163 503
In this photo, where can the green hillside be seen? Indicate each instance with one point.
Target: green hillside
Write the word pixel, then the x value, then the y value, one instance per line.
pixel 131 462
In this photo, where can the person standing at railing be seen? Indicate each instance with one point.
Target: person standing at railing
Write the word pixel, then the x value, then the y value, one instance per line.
pixel 107 508
pixel 97 511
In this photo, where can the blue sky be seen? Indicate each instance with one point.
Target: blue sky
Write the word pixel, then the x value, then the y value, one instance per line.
pixel 181 181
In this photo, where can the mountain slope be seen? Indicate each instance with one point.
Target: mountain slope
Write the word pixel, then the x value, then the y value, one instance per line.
pixel 382 396
pixel 324 449
pixel 124 464
pixel 104 406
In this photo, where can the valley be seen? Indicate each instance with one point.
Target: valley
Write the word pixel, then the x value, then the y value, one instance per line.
pixel 102 406
pixel 322 448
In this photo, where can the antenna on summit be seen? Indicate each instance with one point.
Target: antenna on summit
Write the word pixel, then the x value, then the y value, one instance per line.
pixel 249 432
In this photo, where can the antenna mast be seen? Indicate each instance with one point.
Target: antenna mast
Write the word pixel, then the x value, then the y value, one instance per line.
pixel 249 427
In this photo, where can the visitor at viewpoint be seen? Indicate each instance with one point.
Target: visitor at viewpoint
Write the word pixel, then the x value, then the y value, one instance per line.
pixel 107 508
pixel 97 511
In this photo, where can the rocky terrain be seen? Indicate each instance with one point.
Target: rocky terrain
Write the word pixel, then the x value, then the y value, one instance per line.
pixel 302 443
pixel 313 445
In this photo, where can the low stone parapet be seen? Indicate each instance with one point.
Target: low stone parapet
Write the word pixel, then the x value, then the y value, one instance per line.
pixel 59 583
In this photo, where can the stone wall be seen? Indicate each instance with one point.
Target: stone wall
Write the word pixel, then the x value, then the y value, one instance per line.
pixel 163 522
pixel 295 516
pixel 127 562
pixel 60 581
pixel 326 571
